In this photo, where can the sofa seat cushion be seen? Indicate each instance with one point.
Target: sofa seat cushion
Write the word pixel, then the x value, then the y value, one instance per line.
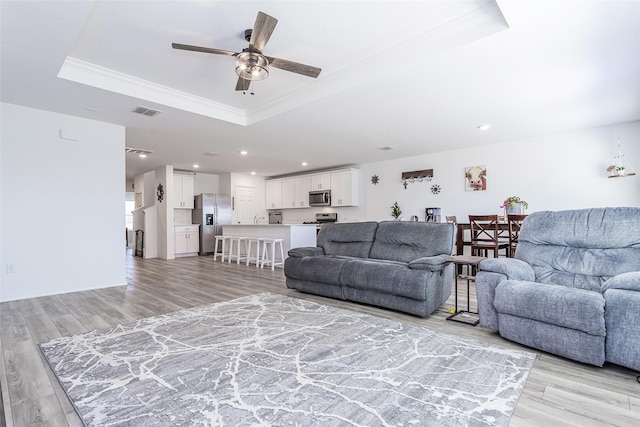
pixel 323 268
pixel 558 305
pixel 388 277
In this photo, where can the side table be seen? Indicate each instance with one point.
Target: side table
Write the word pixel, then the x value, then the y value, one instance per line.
pixel 472 265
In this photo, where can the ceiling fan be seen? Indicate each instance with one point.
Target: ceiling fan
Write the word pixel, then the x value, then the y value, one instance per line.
pixel 251 64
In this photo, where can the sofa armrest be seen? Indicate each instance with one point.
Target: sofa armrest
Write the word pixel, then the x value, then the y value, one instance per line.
pixel 304 252
pixel 513 269
pixel 430 263
pixel 628 281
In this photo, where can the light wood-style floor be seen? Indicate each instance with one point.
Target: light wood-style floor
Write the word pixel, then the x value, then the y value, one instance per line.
pixel 558 392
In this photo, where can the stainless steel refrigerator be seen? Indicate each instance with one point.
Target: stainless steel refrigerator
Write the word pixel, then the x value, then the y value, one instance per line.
pixel 211 212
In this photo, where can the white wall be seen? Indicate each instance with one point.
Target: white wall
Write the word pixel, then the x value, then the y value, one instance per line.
pixel 205 183
pixel 554 172
pixel 165 229
pixel 62 222
pixel 562 171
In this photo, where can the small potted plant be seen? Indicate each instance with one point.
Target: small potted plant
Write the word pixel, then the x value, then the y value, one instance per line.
pixel 514 205
pixel 395 211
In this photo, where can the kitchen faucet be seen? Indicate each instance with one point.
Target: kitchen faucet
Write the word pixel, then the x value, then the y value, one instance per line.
pixel 257 218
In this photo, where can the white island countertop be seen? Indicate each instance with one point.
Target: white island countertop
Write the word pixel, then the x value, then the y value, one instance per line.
pixel 294 235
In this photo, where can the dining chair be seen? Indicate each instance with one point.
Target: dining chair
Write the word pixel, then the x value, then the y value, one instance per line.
pixel 485 236
pixel 515 223
pixel 452 219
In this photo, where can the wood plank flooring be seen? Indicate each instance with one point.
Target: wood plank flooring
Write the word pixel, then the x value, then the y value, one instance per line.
pixel 559 392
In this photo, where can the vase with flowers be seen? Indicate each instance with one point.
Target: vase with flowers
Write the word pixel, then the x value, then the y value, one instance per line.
pixel 514 205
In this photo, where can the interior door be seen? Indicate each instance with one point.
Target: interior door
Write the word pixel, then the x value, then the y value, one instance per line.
pixel 246 205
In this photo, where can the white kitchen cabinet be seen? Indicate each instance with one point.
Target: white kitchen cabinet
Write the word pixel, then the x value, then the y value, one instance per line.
pixel 288 193
pixel 301 189
pixel 186 239
pixel 183 189
pixel 320 181
pixel 273 194
pixel 344 187
pixel 295 192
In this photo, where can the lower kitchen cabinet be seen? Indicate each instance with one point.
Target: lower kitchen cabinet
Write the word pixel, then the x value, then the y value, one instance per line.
pixel 187 240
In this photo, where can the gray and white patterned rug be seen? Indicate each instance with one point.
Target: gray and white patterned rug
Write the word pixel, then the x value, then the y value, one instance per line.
pixel 271 360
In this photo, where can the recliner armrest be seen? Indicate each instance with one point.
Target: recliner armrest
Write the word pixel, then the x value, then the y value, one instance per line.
pixel 628 281
pixel 304 252
pixel 431 263
pixel 514 269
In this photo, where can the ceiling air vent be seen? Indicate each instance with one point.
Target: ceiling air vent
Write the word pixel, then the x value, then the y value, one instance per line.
pixel 145 111
pixel 210 154
pixel 137 150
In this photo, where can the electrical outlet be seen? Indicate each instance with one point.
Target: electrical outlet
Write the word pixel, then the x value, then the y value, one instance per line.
pixel 11 268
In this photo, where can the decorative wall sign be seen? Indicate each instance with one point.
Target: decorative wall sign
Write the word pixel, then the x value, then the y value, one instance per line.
pixel 375 179
pixel 160 193
pixel 475 178
pixel 416 176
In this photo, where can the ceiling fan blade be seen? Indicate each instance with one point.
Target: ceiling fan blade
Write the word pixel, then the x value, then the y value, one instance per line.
pixel 203 49
pixel 243 84
pixel 294 67
pixel 262 30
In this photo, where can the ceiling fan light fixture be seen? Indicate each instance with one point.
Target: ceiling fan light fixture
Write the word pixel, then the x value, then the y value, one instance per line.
pixel 252 66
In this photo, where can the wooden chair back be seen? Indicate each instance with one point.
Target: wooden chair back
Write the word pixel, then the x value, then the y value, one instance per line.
pixel 485 235
pixel 515 224
pixel 452 219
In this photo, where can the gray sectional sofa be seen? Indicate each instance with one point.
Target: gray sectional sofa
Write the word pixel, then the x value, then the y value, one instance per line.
pixel 392 264
pixel 573 288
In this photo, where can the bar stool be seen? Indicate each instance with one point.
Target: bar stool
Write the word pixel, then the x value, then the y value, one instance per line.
pixel 238 241
pixel 250 244
pixel 221 239
pixel 272 260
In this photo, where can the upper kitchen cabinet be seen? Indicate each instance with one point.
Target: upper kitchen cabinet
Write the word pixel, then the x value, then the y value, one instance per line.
pixel 344 187
pixel 301 188
pixel 183 188
pixel 273 194
pixel 320 181
pixel 288 193
pixel 295 192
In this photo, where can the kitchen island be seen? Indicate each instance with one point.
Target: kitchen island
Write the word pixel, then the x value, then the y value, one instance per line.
pixel 294 235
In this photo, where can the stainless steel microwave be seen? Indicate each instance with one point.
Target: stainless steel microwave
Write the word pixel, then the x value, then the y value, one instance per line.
pixel 320 198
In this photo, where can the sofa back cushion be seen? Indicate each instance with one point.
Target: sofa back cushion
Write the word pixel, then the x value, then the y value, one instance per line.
pixel 581 248
pixel 348 238
pixel 405 241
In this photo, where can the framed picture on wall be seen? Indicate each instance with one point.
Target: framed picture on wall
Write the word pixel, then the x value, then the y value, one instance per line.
pixel 475 178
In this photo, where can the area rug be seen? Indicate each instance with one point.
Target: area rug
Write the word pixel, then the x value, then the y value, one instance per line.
pixel 272 360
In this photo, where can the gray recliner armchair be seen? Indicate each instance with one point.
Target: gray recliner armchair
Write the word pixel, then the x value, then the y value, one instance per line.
pixel 573 288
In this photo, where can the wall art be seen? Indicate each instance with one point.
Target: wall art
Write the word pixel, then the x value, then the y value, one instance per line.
pixel 475 178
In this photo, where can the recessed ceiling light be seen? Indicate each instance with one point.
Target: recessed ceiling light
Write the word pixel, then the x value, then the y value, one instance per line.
pixel 304 163
pixel 253 173
pixel 244 152
pixel 386 148
pixel 196 166
pixel 486 126
pixel 142 156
